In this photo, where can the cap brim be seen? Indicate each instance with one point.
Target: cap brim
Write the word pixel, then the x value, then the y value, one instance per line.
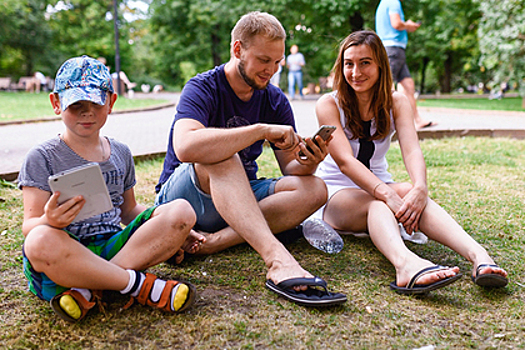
pixel 82 93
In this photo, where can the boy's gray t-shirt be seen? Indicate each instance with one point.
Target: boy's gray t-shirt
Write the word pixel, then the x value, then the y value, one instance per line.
pixel 54 156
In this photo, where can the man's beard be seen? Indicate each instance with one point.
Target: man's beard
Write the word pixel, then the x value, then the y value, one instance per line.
pixel 249 81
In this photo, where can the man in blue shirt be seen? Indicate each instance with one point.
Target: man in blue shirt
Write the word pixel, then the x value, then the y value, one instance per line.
pixel 223 118
pixel 392 29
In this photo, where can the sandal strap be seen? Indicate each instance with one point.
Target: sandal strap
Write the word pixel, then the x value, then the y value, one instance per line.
pixel 482 266
pixel 145 291
pixel 83 304
pixel 423 272
pixel 81 301
pixel 164 302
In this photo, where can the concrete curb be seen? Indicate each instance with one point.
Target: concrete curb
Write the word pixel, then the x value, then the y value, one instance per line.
pixel 439 134
pixel 12 176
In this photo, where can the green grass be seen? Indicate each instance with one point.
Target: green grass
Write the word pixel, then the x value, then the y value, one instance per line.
pixel 479 181
pixel 506 104
pixel 25 106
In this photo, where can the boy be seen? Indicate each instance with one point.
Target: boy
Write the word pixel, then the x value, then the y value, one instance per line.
pixel 70 263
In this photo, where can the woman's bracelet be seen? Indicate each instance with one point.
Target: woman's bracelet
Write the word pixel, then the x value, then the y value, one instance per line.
pixel 375 188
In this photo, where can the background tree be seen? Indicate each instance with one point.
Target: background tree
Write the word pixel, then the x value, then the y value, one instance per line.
pixel 86 27
pixel 460 43
pixel 445 47
pixel 502 41
pixel 24 37
pixel 195 34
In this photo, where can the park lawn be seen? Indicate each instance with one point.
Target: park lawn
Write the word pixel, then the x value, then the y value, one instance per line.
pixel 26 106
pixel 505 104
pixel 478 180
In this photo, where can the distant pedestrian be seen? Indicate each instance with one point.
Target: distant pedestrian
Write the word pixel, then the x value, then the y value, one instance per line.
pixel 276 78
pixel 392 29
pixel 295 63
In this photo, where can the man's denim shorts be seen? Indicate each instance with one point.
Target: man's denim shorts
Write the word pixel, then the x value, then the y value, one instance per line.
pixel 183 183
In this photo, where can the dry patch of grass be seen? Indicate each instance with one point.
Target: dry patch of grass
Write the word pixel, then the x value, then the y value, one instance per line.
pixel 479 181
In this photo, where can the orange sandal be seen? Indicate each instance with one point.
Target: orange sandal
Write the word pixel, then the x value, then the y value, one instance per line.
pixel 76 303
pixel 144 297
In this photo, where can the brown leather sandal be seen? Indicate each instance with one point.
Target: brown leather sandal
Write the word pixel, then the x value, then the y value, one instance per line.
pixel 144 297
pixel 58 304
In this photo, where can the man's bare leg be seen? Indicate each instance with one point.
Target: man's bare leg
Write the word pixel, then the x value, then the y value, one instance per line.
pixel 297 196
pixel 407 87
pixel 233 197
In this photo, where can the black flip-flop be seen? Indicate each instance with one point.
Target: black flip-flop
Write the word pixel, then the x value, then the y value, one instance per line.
pixel 311 296
pixel 490 280
pixel 412 288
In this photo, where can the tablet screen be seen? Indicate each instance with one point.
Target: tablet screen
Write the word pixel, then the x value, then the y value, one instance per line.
pixel 85 180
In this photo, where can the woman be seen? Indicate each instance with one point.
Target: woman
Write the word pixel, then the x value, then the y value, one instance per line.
pixel 363 196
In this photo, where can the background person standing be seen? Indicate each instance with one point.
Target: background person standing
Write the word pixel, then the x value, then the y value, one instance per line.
pixel 295 63
pixel 276 78
pixel 392 29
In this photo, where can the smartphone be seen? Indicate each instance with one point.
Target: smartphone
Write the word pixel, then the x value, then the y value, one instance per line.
pixel 85 180
pixel 324 131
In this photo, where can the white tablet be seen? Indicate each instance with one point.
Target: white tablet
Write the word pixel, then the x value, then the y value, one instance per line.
pixel 85 180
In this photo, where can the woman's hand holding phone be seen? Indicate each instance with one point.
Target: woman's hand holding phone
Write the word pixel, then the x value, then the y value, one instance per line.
pixel 325 131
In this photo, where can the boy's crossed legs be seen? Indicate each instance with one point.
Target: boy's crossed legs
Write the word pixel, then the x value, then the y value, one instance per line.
pixel 154 236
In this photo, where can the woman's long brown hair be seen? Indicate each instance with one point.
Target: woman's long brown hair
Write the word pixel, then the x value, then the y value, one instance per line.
pixel 381 103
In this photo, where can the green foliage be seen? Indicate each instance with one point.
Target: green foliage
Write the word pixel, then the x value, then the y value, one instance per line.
pixel 24 37
pixel 446 43
pixel 502 40
pixel 460 43
pixel 87 27
pixel 199 30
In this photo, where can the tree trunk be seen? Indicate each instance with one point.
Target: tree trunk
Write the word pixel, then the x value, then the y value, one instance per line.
pixel 445 81
pixel 215 43
pixel 426 60
pixel 356 21
pixel 523 102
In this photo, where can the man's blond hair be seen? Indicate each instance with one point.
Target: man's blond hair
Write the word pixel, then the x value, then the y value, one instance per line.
pixel 257 23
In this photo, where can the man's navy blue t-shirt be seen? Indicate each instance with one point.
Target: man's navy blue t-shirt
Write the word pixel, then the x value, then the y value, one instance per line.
pixel 209 99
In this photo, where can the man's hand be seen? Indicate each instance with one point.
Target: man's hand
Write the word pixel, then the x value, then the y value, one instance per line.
pixel 411 26
pixel 62 215
pixel 283 137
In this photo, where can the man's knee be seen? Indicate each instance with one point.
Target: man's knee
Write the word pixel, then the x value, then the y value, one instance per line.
pixel 205 171
pixel 312 189
pixel 320 189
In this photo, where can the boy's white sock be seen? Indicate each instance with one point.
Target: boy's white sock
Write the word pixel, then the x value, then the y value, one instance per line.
pixel 86 293
pixel 134 284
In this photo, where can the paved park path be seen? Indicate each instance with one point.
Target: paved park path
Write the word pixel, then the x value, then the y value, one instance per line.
pixel 146 131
